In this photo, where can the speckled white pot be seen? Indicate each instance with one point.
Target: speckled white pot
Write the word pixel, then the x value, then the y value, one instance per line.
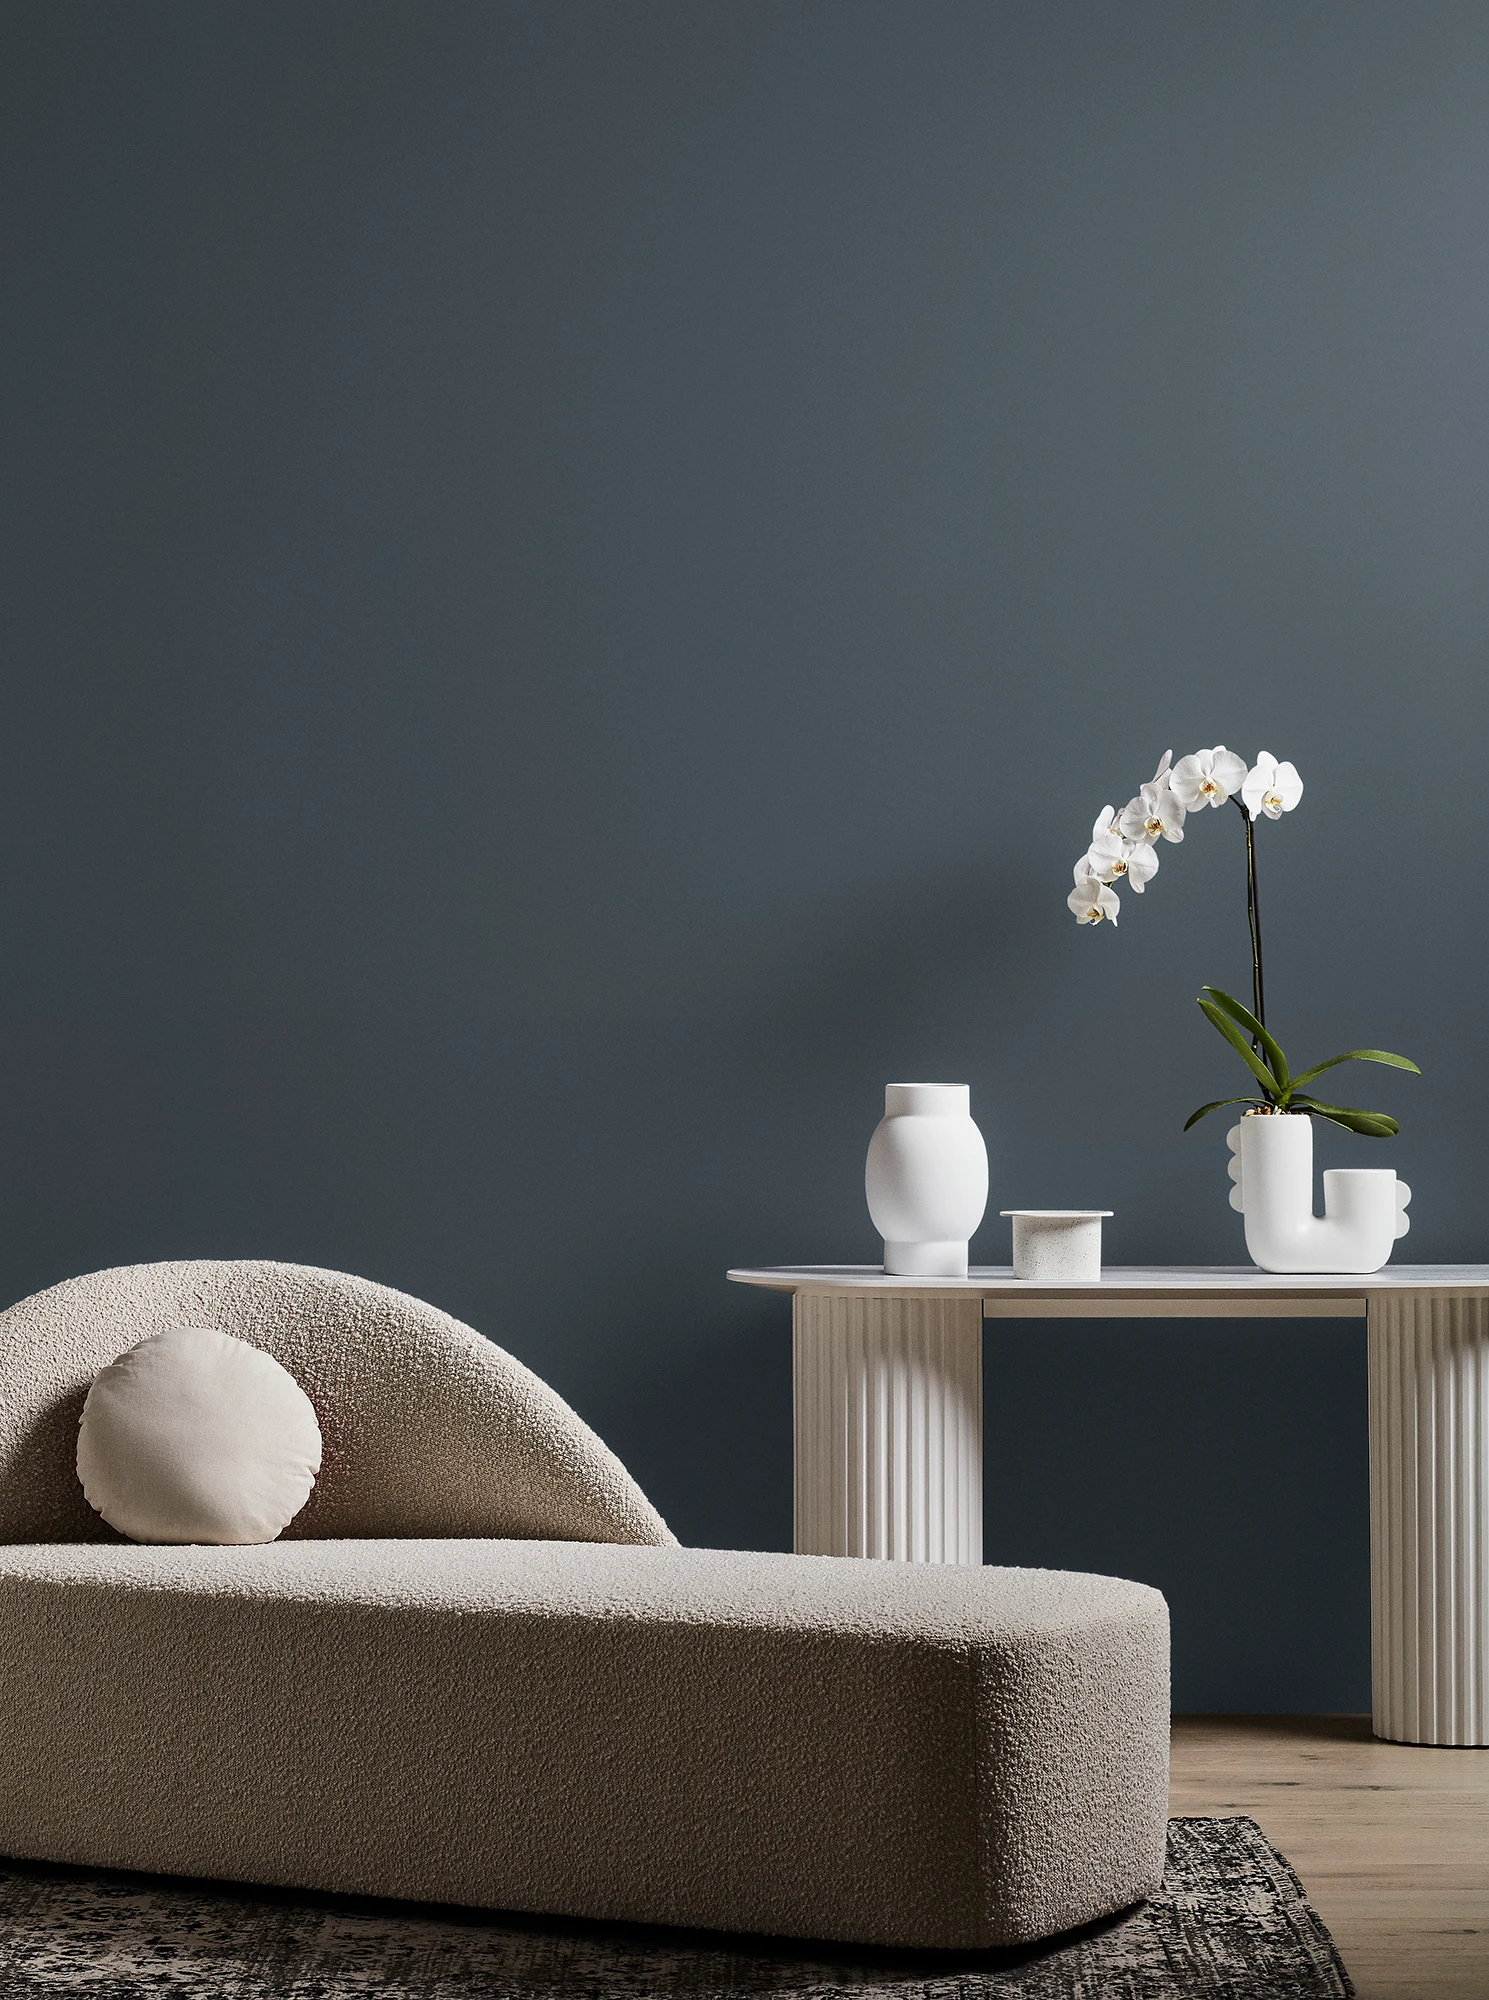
pixel 1057 1245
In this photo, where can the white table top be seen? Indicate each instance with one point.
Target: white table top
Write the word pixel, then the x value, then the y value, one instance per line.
pixel 1127 1291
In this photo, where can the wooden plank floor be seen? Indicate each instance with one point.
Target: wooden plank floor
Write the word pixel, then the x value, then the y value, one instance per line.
pixel 1391 1840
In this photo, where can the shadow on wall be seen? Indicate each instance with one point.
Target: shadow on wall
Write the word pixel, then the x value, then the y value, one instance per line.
pixel 739 1495
pixel 1225 1462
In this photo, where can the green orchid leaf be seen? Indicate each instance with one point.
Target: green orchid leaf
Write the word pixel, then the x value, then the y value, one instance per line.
pixel 1276 1060
pixel 1369 1124
pixel 1357 1055
pixel 1361 1122
pixel 1241 1046
pixel 1219 1105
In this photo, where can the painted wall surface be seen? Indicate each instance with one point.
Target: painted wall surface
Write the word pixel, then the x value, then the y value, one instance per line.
pixel 574 578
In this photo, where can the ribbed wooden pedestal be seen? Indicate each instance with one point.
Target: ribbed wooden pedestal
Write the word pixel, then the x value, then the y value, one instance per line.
pixel 888 1401
pixel 1429 1517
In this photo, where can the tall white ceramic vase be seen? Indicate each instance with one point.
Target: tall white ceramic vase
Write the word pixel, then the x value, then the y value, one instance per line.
pixel 926 1179
pixel 1272 1167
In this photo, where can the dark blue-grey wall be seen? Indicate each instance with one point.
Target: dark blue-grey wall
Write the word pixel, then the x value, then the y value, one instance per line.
pixel 575 576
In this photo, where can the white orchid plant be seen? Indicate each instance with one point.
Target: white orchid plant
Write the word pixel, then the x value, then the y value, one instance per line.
pixel 1124 848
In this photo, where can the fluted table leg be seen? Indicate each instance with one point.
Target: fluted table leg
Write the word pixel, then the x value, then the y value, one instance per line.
pixel 888 1401
pixel 1429 1517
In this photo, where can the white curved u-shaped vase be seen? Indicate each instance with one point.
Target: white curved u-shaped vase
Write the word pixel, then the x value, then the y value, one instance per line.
pixel 1272 1167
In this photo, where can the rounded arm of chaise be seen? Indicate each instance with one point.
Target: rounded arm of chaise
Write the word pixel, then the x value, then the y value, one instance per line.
pixel 429 1429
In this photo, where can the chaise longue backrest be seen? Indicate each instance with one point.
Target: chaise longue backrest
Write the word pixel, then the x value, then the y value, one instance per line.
pixel 428 1428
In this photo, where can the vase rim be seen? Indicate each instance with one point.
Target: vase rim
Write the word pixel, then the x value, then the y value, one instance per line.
pixel 928 1100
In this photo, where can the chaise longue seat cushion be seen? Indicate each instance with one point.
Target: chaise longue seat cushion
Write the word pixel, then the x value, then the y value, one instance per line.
pixel 811 1746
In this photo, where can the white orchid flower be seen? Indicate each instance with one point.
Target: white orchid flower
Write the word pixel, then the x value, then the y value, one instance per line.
pixel 1142 865
pixel 1270 787
pixel 1108 857
pixel 1091 899
pixel 1154 813
pixel 1106 846
pixel 1124 845
pixel 1111 856
pixel 1207 778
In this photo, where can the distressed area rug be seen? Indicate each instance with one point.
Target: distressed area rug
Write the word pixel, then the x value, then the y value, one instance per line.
pixel 1232 1923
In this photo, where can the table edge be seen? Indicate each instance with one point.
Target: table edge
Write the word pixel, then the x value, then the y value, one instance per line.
pixel 1169 1283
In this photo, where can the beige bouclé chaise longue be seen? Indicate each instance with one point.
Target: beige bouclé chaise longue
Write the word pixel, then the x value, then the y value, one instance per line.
pixel 478 1669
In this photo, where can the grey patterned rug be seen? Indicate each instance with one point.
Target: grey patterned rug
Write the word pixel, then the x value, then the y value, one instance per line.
pixel 1232 1923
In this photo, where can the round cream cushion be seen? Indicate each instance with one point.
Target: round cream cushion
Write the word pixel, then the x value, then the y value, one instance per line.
pixel 193 1436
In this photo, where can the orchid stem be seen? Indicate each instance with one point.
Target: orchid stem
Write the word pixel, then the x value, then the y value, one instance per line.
pixel 1254 917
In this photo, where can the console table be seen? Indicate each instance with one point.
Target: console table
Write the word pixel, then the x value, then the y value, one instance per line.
pixel 887 1377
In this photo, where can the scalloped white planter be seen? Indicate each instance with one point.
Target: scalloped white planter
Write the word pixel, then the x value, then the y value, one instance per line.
pixel 1272 1167
pixel 926 1179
